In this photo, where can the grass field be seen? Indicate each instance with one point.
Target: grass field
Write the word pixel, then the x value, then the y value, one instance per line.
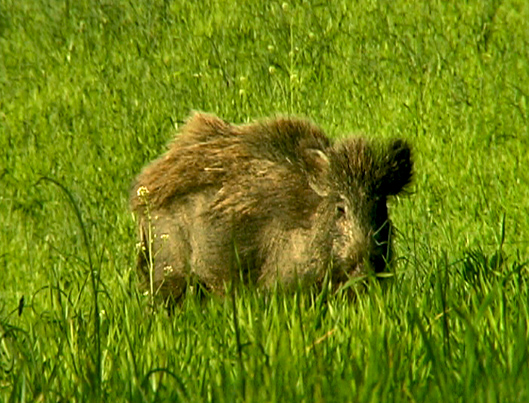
pixel 90 91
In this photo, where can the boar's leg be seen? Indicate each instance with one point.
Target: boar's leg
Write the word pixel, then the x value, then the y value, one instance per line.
pixel 163 256
pixel 188 249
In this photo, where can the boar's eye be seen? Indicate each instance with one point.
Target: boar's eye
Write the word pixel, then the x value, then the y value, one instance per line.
pixel 341 209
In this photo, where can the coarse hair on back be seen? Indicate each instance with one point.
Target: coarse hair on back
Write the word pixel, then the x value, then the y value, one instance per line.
pixel 208 152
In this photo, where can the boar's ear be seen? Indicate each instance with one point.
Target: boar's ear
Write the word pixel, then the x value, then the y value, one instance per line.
pixel 318 165
pixel 397 168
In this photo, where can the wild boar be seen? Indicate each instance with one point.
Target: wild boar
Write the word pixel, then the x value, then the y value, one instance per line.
pixel 272 202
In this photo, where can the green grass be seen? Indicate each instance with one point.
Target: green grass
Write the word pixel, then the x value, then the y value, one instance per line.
pixel 90 91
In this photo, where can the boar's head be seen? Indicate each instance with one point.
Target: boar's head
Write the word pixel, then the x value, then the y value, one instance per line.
pixel 356 177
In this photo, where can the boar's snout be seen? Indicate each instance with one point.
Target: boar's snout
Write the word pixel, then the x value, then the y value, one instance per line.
pixel 361 249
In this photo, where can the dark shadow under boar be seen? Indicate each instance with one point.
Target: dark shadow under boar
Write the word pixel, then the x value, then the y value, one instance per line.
pixel 271 202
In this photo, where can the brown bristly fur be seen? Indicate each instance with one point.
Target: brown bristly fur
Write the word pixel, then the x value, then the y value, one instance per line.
pixel 277 198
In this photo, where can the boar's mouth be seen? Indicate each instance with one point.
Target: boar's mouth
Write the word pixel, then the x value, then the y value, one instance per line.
pixel 373 264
